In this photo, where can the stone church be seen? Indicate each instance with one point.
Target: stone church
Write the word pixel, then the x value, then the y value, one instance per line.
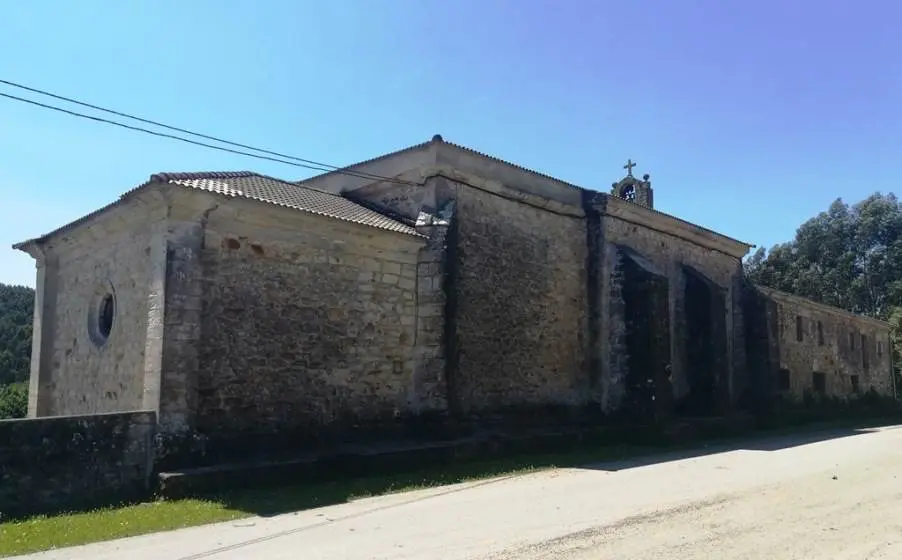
pixel 432 282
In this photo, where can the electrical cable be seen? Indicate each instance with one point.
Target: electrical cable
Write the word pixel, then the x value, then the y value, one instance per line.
pixel 280 158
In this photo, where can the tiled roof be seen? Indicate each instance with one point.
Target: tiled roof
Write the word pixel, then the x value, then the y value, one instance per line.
pixel 269 190
pixel 246 184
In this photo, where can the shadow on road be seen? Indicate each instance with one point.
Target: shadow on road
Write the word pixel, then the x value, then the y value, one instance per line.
pixel 284 498
pixel 754 443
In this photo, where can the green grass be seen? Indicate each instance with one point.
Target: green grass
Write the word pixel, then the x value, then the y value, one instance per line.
pixel 44 533
pixel 48 532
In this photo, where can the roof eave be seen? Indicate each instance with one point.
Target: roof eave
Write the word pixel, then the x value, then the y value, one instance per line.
pixel 37 241
pixel 28 245
pixel 779 294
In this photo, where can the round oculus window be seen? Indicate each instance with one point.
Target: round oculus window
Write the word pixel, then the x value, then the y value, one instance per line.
pixel 102 318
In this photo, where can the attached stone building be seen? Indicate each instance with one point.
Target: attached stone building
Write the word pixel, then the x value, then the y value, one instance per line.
pixel 435 280
pixel 820 350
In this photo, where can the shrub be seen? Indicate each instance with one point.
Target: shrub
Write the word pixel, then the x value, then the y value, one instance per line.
pixel 13 400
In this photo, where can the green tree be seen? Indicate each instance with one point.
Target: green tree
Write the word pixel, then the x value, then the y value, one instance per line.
pixel 13 400
pixel 848 256
pixel 16 313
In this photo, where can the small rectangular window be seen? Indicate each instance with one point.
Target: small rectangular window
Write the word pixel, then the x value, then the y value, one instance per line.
pixel 879 348
pixel 855 385
pixel 819 381
pixel 783 380
pixel 864 352
pixel 800 333
pixel 852 341
pixel 820 333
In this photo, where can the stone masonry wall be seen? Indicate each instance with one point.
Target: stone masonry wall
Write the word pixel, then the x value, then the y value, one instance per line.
pixel 833 343
pixel 307 323
pixel 432 203
pixel 48 464
pixel 520 319
pixel 85 374
pixel 668 254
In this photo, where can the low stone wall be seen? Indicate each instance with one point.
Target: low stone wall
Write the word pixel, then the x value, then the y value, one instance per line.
pixel 73 462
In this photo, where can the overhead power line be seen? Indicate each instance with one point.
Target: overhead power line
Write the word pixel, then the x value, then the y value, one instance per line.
pixel 161 134
pixel 273 156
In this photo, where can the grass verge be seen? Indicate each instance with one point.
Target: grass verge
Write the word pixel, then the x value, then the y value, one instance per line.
pixel 48 532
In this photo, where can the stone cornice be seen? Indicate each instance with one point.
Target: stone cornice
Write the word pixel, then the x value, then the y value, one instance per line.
pixel 616 208
pixel 502 190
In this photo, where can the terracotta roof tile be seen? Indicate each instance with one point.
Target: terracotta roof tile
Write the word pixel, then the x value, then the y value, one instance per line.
pixel 245 184
pixel 253 186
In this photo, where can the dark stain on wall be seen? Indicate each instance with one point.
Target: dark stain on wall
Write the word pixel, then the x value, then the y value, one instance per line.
pixel 705 347
pixel 648 391
pixel 593 207
pixel 452 344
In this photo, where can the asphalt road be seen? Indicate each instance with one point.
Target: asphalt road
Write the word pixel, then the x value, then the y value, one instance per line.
pixel 819 496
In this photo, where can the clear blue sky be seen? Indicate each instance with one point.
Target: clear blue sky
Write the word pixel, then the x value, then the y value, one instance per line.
pixel 750 116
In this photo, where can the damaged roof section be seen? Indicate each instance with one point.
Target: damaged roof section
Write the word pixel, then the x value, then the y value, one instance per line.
pixel 261 188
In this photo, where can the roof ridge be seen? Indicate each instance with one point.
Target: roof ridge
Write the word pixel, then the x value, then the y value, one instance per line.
pixel 192 175
pixel 437 139
pixel 345 168
pixel 512 164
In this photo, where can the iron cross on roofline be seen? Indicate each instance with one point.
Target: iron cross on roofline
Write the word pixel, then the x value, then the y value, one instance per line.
pixel 630 164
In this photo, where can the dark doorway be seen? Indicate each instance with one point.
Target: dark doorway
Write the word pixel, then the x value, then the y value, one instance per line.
pixel 819 381
pixel 705 349
pixel 784 381
pixel 648 391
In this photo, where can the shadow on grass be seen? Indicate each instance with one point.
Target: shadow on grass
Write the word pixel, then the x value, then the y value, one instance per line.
pixel 274 500
pixel 269 500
